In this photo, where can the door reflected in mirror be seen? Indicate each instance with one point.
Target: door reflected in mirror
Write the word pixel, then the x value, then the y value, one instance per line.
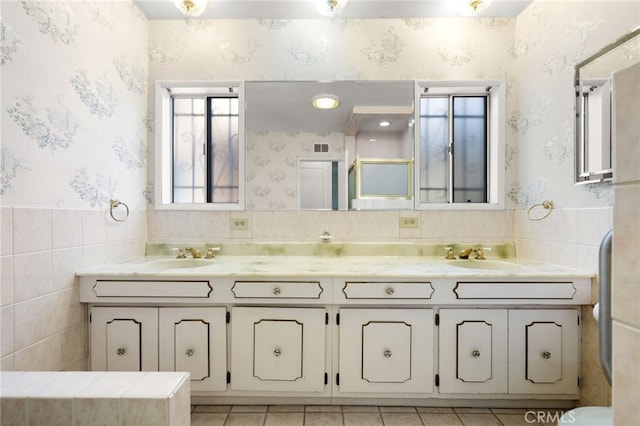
pixel 319 185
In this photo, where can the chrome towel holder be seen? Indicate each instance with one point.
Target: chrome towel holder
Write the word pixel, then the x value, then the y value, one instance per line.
pixel 547 205
pixel 114 204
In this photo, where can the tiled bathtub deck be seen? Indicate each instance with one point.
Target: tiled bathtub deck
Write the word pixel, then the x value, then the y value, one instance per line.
pixel 299 415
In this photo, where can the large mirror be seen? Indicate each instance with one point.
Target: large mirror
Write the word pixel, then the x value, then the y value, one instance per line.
pixel 300 157
pixel 593 106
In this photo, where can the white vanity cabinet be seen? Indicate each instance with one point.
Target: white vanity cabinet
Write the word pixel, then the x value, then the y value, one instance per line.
pixel 386 351
pixel 510 351
pixel 165 339
pixel 333 331
pixel 278 349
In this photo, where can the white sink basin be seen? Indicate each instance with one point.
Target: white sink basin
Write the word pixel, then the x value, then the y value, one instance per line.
pixel 160 265
pixel 484 264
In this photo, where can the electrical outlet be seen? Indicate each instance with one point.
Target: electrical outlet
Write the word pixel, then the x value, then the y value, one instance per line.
pixel 409 222
pixel 239 223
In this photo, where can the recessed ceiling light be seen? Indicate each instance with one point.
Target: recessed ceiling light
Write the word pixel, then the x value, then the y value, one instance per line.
pixel 384 124
pixel 325 101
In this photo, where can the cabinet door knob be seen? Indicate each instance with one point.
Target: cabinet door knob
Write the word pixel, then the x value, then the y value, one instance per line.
pixel 387 353
pixel 475 353
pixel 390 291
pixel 276 291
pixel 277 352
pixel 120 351
pixel 189 352
pixel 546 355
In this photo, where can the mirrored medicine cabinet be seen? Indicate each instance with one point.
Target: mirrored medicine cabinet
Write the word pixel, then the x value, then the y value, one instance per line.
pixel 592 129
pixel 262 145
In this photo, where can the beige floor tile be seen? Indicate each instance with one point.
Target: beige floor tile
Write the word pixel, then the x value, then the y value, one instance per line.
pixel 360 409
pixel 208 419
pixel 401 419
pixel 212 409
pixel 245 419
pixel 397 409
pixel 435 410
pixel 249 408
pixel 284 419
pixel 286 408
pixel 440 419
pixel 323 408
pixel 516 419
pixel 323 419
pixel 362 419
pixel 479 419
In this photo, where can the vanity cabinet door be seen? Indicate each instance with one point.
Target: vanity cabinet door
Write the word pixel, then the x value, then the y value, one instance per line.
pixel 278 349
pixel 195 340
pixel 473 351
pixel 386 350
pixel 543 351
pixel 124 339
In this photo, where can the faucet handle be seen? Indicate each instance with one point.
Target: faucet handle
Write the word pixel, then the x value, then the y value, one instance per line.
pixel 480 252
pixel 181 253
pixel 210 252
pixel 449 253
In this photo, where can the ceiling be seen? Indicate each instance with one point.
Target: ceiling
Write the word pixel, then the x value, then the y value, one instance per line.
pixel 285 106
pixel 305 9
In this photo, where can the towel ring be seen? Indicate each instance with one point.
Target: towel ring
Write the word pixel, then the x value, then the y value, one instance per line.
pixel 547 205
pixel 114 204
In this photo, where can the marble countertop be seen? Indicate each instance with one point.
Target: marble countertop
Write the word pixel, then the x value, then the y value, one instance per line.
pixel 284 266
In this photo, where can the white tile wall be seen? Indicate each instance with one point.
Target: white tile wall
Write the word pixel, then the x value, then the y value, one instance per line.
pixel 43 323
pixel 626 246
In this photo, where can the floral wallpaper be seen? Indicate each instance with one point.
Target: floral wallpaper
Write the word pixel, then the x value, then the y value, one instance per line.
pixel 551 37
pixel 74 94
pixel 321 49
pixel 77 108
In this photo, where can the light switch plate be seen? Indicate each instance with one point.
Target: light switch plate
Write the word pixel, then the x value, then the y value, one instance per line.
pixel 239 223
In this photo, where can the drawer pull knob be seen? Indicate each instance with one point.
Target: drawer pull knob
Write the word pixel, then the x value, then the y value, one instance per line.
pixel 120 351
pixel 276 291
pixel 475 353
pixel 387 353
pixel 390 291
pixel 189 352
pixel 546 355
pixel 277 353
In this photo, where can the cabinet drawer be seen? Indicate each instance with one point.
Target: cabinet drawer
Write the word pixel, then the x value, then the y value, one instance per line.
pixel 515 290
pixel 277 289
pixel 387 290
pixel 155 289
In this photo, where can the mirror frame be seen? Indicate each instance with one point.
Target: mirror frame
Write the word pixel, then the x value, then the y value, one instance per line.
pixel 582 174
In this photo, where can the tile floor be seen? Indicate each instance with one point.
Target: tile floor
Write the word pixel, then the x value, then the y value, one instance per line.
pixel 322 415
